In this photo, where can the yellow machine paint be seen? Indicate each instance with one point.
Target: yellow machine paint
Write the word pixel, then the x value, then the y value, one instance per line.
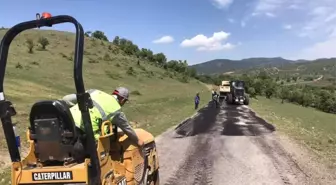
pixel 224 89
pixel 59 153
pixel 122 165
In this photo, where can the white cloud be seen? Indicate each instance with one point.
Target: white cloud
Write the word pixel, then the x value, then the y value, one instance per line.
pixel 330 18
pixel 287 26
pixel 269 14
pixel 293 6
pixel 164 40
pixel 221 4
pixel 325 49
pixel 268 5
pixel 321 21
pixel 317 17
pixel 204 43
pixel 231 20
pixel 216 47
pixel 243 24
pixel 255 14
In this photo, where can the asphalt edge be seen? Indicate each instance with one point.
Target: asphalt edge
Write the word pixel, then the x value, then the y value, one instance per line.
pixel 158 137
pixel 192 116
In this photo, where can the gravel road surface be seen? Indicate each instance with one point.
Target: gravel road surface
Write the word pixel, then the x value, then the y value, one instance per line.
pixel 226 145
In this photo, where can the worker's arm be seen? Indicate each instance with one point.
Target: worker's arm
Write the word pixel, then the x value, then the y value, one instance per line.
pixel 71 99
pixel 121 121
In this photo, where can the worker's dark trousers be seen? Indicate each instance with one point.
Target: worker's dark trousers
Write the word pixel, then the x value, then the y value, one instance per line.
pixel 196 106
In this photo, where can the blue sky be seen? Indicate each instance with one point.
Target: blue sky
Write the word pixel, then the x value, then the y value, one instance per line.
pixel 200 30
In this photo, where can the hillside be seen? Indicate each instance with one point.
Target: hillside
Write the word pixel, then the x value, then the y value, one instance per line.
pixel 277 65
pixel 47 74
pixel 321 72
pixel 226 65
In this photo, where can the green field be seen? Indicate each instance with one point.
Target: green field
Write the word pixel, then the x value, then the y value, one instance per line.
pixel 159 100
pixel 313 128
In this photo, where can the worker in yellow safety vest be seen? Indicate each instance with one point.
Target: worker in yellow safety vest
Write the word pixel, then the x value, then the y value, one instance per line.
pixel 106 107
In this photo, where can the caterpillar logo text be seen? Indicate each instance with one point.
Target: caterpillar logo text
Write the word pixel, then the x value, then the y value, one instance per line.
pixel 47 176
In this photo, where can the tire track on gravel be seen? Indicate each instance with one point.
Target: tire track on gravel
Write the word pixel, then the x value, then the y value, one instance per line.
pixel 197 167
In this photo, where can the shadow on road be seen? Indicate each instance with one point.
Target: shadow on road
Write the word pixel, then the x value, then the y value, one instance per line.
pixel 200 124
pixel 241 121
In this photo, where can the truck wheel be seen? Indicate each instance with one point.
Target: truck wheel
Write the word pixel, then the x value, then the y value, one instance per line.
pixel 247 100
pixel 229 98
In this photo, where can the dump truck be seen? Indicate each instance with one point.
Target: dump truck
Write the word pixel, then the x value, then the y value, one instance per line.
pixel 224 89
pixel 55 143
pixel 237 93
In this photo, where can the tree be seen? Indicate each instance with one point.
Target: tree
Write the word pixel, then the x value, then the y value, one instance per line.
pixel 116 40
pixel 259 86
pixel 295 78
pixel 99 35
pixel 263 75
pixel 307 99
pixel 283 94
pixel 88 34
pixel 160 58
pixel 270 88
pixel 252 92
pixel 44 42
pixel 192 72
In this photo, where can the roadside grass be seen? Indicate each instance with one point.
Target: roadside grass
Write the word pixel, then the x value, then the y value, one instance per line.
pixel 311 127
pixel 159 99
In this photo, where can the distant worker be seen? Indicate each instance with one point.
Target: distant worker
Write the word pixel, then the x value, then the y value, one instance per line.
pixel 215 98
pixel 106 107
pixel 197 100
pixel 212 93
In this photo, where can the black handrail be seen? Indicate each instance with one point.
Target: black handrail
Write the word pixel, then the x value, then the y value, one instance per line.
pixel 84 100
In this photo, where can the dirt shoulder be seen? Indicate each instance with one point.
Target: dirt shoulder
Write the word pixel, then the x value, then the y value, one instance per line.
pixel 306 135
pixel 307 160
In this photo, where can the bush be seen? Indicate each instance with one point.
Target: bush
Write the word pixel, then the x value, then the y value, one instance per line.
pixel 86 52
pixel 35 63
pixel 130 71
pixel 251 92
pixel 150 74
pixel 18 66
pixel 184 79
pixel 110 47
pixel 107 57
pixel 142 68
pixel 70 58
pixel 136 93
pixel 114 76
pixel 30 45
pixel 44 42
pixel 94 43
pixel 92 61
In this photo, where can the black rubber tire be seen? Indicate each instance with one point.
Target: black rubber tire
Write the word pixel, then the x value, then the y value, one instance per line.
pixel 247 100
pixel 156 179
pixel 229 98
